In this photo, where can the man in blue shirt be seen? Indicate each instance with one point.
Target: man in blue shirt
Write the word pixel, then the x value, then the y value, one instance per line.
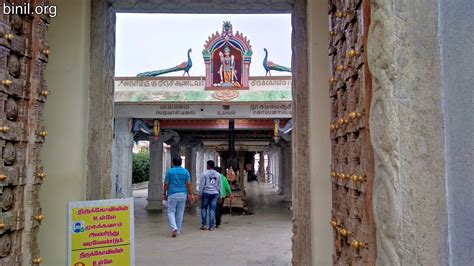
pixel 177 187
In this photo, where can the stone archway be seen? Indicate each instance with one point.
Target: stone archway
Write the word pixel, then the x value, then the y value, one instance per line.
pixel 101 113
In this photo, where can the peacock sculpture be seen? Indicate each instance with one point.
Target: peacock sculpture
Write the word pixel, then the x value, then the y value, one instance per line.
pixel 186 66
pixel 269 65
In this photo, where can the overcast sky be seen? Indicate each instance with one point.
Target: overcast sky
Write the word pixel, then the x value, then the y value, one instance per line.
pixel 148 42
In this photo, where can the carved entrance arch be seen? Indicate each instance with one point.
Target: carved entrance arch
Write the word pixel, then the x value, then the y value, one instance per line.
pixel 101 113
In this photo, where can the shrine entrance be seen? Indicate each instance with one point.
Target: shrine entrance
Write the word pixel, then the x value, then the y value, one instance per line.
pixel 242 122
pixel 305 204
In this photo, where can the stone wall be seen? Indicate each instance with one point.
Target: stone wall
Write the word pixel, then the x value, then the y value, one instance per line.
pixel 457 56
pixel 409 197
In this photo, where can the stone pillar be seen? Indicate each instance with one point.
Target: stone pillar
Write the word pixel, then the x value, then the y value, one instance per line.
pixel 199 165
pixel 287 172
pixel 166 159
pixel 122 159
pixel 175 149
pixel 155 186
pixel 191 156
pixel 261 168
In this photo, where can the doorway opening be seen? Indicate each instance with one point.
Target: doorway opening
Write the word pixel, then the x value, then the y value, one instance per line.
pixel 230 104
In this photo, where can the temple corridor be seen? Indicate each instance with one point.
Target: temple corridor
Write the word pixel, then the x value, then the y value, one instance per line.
pixel 263 238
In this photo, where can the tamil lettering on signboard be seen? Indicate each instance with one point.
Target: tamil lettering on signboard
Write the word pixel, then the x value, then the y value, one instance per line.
pixel 190 111
pixel 101 233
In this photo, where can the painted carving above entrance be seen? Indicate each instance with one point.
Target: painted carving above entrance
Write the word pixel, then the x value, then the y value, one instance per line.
pixel 227 57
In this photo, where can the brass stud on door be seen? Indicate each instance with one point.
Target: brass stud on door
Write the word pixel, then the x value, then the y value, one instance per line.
pixel 356 178
pixel 342 121
pixel 343 232
pixel 4 129
pixel 46 51
pixel 356 244
pixel 39 217
pixel 3 177
pixel 2 226
pixel 332 33
pixel 352 53
pixel 9 36
pixel 43 134
pixel 340 14
pixel 37 260
pixel 7 82
pixel 45 93
pixel 41 175
pixel 354 115
pixel 340 68
pixel 332 80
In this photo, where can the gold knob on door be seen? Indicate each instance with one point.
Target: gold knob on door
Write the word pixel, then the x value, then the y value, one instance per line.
pixel 45 93
pixel 354 115
pixel 332 33
pixel 37 261
pixel 39 217
pixel 3 177
pixel 4 129
pixel 9 36
pixel 333 127
pixel 340 68
pixel 356 178
pixel 355 244
pixel 7 82
pixel 342 121
pixel 41 175
pixel 43 134
pixel 339 14
pixel 352 53
pixel 46 51
pixel 343 232
pixel 332 80
pixel 2 226
pixel 333 174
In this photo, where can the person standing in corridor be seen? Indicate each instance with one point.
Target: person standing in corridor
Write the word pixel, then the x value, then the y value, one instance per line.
pixel 210 189
pixel 225 192
pixel 176 189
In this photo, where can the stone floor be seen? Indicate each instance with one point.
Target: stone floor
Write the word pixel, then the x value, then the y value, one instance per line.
pixel 263 238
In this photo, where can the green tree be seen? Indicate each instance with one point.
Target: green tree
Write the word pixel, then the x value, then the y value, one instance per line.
pixel 141 167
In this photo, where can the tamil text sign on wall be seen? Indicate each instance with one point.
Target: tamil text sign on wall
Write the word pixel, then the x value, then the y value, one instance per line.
pixel 101 232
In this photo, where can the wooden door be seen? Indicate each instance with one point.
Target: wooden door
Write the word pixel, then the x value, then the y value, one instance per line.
pixel 352 155
pixel 23 57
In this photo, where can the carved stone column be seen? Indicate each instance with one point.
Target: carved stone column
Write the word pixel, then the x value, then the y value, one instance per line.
pixel 175 150
pixel 261 168
pixel 155 186
pixel 122 159
pixel 287 162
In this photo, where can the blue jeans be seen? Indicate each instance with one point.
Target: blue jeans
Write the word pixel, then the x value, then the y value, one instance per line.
pixel 176 204
pixel 209 201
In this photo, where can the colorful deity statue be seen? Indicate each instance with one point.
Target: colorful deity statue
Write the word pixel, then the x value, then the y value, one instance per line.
pixel 227 71
pixel 227 58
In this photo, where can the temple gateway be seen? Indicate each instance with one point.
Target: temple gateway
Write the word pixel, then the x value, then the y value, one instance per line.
pixel 227 116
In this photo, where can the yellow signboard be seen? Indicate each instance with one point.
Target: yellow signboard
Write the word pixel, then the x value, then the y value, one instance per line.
pixel 101 233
